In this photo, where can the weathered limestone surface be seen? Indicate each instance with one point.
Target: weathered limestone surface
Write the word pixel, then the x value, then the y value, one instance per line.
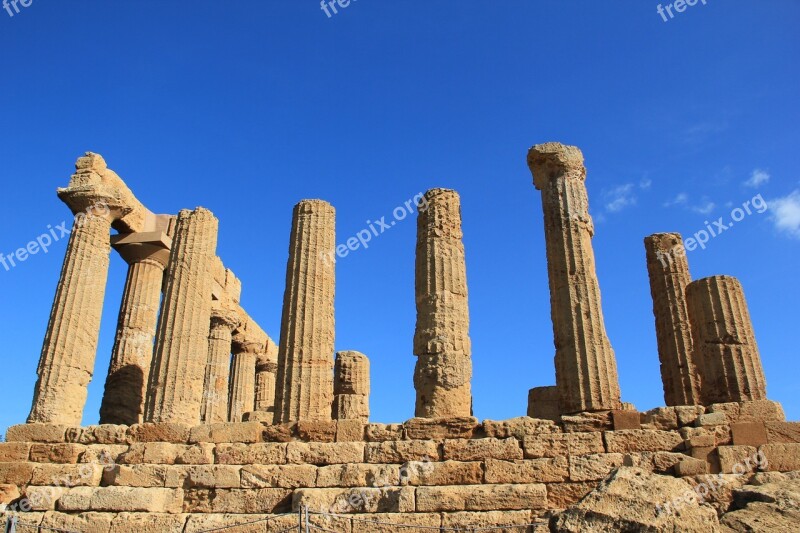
pixel 266 370
pixel 586 369
pixel 351 386
pixel 179 364
pixel 725 346
pixel 441 340
pixel 543 403
pixel 668 268
pixel 68 353
pixel 304 388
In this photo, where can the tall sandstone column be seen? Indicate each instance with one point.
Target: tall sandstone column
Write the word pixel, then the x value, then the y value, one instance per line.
pixel 586 369
pixel 304 388
pixel 441 340
pixel 351 386
pixel 218 367
pixel 668 268
pixel 178 371
pixel 243 380
pixel 70 345
pixel 266 370
pixel 147 254
pixel 725 345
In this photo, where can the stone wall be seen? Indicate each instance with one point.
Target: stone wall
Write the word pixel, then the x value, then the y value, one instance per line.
pixel 453 472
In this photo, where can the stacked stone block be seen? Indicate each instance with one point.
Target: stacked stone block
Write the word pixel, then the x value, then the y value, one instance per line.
pixel 351 386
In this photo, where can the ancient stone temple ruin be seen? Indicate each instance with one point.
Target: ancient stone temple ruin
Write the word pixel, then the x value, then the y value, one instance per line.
pixel 207 424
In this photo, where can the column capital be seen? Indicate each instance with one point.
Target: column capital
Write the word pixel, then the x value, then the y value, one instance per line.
pixel 225 316
pixel 552 160
pixel 140 247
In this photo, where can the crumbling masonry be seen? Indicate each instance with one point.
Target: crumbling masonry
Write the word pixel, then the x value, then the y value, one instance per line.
pixel 207 423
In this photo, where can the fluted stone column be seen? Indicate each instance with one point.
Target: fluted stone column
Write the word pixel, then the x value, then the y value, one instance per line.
pixel 70 345
pixel 668 268
pixel 218 367
pixel 305 359
pixel 586 368
pixel 351 386
pixel 178 371
pixel 726 352
pixel 266 370
pixel 441 340
pixel 243 380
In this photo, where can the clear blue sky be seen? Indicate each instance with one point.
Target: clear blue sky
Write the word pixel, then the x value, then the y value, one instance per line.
pixel 247 107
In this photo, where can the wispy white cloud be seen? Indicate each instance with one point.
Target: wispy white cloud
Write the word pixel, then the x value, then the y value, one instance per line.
pixel 620 197
pixel 705 207
pixel 757 178
pixel 645 183
pixel 681 199
pixel 703 131
pixel 786 213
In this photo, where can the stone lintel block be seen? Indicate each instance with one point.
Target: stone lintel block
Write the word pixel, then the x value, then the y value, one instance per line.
pixel 91 521
pixel 417 473
pixel 690 467
pixel 480 449
pixel 120 499
pixel 350 431
pixel 563 495
pixel 763 410
pixel 749 433
pixel 545 470
pixel 13 452
pixel 737 459
pixel 783 432
pixel 238 501
pixel 159 432
pixel 399 452
pixel 713 419
pixel 36 433
pixel 316 430
pixel 477 521
pixel 482 498
pixel 204 477
pixel 165 453
pixel 138 522
pixel 43 498
pixel 721 434
pixel 518 428
pixel 247 432
pixel 280 432
pixel 56 453
pixel 784 457
pixel 203 522
pixel 358 475
pixel 424 523
pixel 266 453
pixel 594 467
pixel 643 440
pixel 100 434
pixel 663 418
pixel 586 422
pixel 136 476
pixel 357 500
pixel 558 444
pixel 279 476
pixel 384 432
pixel 325 453
pixel 105 454
pixel 17 473
pixel 623 419
pixel 463 427
pixel 83 475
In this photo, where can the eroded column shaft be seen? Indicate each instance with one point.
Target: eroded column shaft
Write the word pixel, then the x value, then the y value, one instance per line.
pixel 668 269
pixel 726 352
pixel 304 389
pixel 243 384
pixel 129 370
pixel 266 370
pixel 351 386
pixel 586 368
pixel 218 369
pixel 70 345
pixel 178 371
pixel 441 340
